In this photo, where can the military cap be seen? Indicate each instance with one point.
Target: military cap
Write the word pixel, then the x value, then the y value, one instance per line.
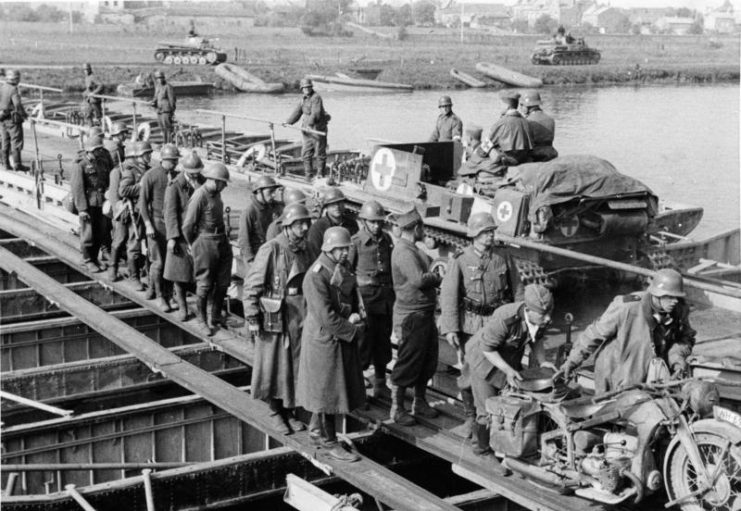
pixel 509 96
pixel 474 132
pixel 408 219
pixel 538 298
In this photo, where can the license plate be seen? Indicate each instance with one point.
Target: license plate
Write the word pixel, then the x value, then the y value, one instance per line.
pixel 724 414
pixel 627 204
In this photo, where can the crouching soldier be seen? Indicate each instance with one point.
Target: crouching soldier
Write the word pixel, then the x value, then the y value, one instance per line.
pixel 88 185
pixel 274 310
pixel 330 377
pixel 179 263
pixel 205 232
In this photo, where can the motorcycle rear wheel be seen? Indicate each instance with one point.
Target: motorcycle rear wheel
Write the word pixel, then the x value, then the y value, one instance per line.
pixel 725 494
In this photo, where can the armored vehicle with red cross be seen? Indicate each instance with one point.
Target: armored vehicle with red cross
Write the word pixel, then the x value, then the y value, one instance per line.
pixel 579 203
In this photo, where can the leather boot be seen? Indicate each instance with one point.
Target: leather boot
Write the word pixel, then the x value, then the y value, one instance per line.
pixel 134 278
pixel 316 430
pixel 113 273
pixel 380 390
pixel 398 413
pixel 276 417
pixel 335 449
pixel 420 406
pixel 201 305
pixel 465 430
pixel 290 417
pixel 181 301
pixel 161 300
pixel 481 448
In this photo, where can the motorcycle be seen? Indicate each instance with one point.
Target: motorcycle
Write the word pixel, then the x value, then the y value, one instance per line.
pixel 621 446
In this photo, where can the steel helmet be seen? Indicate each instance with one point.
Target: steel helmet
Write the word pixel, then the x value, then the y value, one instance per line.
pixel 13 76
pixel 306 82
pixel 336 237
pixel 530 98
pixel 159 74
pixel 292 195
pixel 142 147
pixel 192 163
pixel 480 222
pixel 93 143
pixel 130 151
pixel 332 195
pixel 263 182
pixel 293 213
pixel 217 172
pixel 169 152
pixel 444 101
pixel 667 282
pixel 373 211
pixel 118 127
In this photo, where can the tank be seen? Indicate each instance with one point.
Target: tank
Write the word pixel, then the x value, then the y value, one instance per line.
pixel 192 51
pixel 564 51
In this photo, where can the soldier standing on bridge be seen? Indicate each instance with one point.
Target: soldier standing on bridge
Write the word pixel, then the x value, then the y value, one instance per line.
pixel 414 320
pixel 476 283
pixel 370 257
pixel 93 109
pixel 205 232
pixel 119 213
pixel 179 262
pixel 274 311
pixel 164 101
pixel 12 115
pixel 330 378
pixel 448 125
pixel 314 117
pixel 117 145
pixel 333 214
pixel 88 184
pixel 542 126
pixel 261 209
pixel 151 207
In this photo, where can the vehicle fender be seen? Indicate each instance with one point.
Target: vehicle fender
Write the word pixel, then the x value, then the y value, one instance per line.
pixel 143 131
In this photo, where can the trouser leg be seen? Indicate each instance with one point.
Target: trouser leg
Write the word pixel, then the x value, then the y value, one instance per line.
pixel 181 300
pixel 307 156
pixel 5 145
pixel 321 154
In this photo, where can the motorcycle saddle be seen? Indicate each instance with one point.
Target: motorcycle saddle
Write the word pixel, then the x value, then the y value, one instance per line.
pixel 536 379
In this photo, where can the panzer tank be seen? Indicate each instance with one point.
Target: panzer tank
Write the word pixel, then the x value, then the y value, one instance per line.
pixel 564 52
pixel 193 51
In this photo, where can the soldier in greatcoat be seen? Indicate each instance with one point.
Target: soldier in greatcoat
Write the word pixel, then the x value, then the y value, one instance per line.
pixel 179 262
pixel 204 229
pixel 333 214
pixel 314 117
pixel 165 102
pixel 448 125
pixel 151 207
pixel 510 135
pixel 370 258
pixel 542 126
pixel 262 208
pixel 414 320
pixel 476 283
pixel 12 115
pixel 330 377
pixel 88 184
pixel 274 311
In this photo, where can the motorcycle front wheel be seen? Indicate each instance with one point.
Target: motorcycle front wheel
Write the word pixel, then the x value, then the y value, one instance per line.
pixel 725 495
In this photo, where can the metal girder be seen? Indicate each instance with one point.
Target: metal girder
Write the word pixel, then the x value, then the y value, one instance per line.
pixel 22 248
pixel 364 474
pixel 51 266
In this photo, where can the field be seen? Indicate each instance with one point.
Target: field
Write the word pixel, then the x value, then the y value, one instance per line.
pixel 424 59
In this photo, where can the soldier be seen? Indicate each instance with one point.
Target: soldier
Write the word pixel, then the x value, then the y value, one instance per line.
pixel 129 191
pixel 151 207
pixel 290 196
pixel 510 135
pixel 205 232
pixel 88 184
pixel 274 311
pixel 642 337
pixel 330 379
pixel 494 354
pixel 164 101
pixel 103 157
pixel 12 115
pixel 119 133
pixel 414 320
pixel 93 110
pixel 314 117
pixel 120 214
pixel 448 125
pixel 332 215
pixel 179 263
pixel 542 126
pixel 479 169
pixel 261 209
pixel 370 257
pixel 476 283
pixel 101 152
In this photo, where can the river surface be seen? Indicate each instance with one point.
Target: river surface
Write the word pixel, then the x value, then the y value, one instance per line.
pixel 682 141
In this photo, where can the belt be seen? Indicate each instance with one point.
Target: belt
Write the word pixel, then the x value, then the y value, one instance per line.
pixel 367 280
pixel 217 230
pixel 293 291
pixel 481 309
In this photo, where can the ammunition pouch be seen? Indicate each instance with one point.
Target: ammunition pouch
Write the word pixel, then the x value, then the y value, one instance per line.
pixel 272 317
pixel 514 425
pixel 476 307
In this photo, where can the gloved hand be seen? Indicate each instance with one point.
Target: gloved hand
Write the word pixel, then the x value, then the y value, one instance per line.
pixel 513 378
pixel 453 339
pixel 564 373
pixel 679 370
pixel 84 216
pixel 355 318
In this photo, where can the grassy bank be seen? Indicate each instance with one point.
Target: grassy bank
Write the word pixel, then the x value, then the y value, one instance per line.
pixel 424 59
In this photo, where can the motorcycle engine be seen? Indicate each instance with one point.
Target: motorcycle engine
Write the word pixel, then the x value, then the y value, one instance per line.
pixel 605 466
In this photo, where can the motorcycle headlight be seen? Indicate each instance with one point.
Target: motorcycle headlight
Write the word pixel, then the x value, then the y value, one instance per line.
pixel 702 396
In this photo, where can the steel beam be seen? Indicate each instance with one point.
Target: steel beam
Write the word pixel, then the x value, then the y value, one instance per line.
pixel 51 266
pixel 364 474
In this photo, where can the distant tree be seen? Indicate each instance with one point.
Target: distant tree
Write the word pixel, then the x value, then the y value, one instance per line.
pixel 588 28
pixel 423 12
pixel 403 15
pixel 50 13
pixel 387 15
pixel 622 26
pixel 697 27
pixel 322 12
pixel 635 29
pixel 401 33
pixel 520 26
pixel 21 12
pixel 545 24
pixel 684 12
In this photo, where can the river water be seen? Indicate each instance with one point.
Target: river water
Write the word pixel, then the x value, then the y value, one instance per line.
pixel 681 140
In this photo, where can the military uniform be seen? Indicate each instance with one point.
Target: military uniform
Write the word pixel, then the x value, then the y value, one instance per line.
pixel 151 207
pixel 179 263
pixel 316 232
pixel 128 190
pixel 478 161
pixel 253 225
pixel 12 115
pixel 273 297
pixel 628 335
pixel 543 129
pixel 88 184
pixel 511 136
pixel 116 150
pixel 311 111
pixel 164 101
pixel 94 112
pixel 447 127
pixel 370 256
